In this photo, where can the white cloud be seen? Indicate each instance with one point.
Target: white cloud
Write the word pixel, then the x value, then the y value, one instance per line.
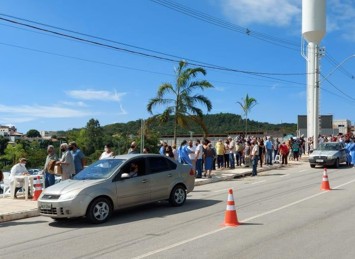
pixel 267 12
pixel 38 111
pixel 340 17
pixel 75 104
pixel 95 95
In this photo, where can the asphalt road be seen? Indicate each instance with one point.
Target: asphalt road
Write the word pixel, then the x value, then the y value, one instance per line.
pixel 283 214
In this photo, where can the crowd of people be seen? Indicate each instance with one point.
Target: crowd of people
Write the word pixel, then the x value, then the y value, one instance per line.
pixel 203 156
pixel 246 152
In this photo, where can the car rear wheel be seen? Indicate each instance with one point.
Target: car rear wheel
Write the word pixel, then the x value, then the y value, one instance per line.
pixel 99 211
pixel 177 196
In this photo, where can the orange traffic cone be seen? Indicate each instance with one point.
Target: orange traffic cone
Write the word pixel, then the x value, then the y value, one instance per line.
pixel 38 189
pixel 230 218
pixel 325 183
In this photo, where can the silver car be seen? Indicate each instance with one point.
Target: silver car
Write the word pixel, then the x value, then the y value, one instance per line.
pixel 116 183
pixel 328 154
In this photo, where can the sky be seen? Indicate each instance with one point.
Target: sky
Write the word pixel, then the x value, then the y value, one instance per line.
pixel 64 62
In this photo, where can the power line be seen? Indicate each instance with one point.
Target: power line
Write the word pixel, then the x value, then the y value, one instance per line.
pixel 227 25
pixel 148 55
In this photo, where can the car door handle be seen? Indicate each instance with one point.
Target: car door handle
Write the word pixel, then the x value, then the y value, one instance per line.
pixel 170 175
pixel 144 181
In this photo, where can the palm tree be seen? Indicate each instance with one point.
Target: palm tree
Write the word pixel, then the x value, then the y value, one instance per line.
pixel 246 104
pixel 179 100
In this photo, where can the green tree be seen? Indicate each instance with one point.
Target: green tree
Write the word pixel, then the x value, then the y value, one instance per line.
pixel 33 133
pixel 179 100
pixel 14 152
pixel 94 136
pixel 247 104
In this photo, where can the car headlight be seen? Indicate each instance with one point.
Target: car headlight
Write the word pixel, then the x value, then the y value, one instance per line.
pixel 68 196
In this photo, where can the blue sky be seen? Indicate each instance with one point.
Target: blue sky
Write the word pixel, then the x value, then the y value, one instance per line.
pixel 50 82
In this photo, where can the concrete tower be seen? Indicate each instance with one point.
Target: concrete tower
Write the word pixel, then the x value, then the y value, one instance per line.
pixel 313 30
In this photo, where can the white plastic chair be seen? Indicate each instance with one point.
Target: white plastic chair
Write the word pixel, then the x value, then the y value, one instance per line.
pixel 5 185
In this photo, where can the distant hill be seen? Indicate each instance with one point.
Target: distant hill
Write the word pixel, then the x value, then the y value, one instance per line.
pixel 221 123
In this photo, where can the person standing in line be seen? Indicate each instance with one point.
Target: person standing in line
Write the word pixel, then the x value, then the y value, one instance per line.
pixel 269 148
pixel 107 152
pixel 198 156
pixel 175 152
pixel 192 156
pixel 231 148
pixel 276 148
pixel 162 149
pixel 261 151
pixel 220 153
pixel 254 158
pixel 78 156
pixel 133 148
pixel 169 151
pixel 51 159
pixel 19 169
pixel 66 162
pixel 184 154
pixel 247 151
pixel 226 153
pixel 284 153
pixel 209 154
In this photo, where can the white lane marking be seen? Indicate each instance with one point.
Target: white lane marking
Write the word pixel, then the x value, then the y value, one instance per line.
pixel 259 182
pixel 180 243
pixel 246 220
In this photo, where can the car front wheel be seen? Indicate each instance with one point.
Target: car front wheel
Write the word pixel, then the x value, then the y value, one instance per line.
pixel 177 196
pixel 336 163
pixel 99 211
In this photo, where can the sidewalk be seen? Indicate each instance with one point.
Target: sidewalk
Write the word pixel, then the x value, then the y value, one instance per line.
pixel 13 209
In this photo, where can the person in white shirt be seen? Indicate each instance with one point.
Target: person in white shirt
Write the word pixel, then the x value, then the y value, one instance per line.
pixel 198 156
pixel 192 154
pixel 107 152
pixel 254 158
pixel 19 169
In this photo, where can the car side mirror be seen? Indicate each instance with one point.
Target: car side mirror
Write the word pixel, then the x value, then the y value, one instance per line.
pixel 125 176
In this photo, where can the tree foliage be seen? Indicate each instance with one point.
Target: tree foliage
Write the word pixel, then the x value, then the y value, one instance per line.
pixel 33 133
pixel 179 99
pixel 247 104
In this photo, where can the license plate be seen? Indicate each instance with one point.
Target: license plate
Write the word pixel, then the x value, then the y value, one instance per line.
pixel 319 160
pixel 46 206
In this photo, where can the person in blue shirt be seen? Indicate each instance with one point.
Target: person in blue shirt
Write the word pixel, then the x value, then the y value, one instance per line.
pixel 78 156
pixel 269 147
pixel 183 153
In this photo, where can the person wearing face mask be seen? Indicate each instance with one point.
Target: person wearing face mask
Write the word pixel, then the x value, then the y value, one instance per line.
pixel 19 169
pixel 49 178
pixel 107 153
pixel 78 156
pixel 66 162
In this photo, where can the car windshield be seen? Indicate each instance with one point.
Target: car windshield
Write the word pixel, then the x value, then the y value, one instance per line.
pixel 328 146
pixel 101 169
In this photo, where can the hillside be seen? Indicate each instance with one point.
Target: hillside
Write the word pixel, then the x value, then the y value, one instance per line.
pixel 221 123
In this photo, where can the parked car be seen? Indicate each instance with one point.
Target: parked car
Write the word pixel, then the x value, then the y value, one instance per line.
pixel 34 171
pixel 109 184
pixel 328 154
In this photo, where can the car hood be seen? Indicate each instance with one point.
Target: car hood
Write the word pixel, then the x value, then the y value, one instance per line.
pixel 71 185
pixel 323 153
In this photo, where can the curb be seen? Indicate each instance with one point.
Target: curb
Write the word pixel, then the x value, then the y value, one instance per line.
pixel 19 215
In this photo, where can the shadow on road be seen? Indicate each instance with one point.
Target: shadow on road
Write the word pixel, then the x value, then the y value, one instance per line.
pixel 154 210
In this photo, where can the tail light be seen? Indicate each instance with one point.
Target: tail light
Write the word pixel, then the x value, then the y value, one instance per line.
pixel 192 172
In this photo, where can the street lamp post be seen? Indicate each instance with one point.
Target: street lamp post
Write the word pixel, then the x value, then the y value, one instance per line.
pixel 191 134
